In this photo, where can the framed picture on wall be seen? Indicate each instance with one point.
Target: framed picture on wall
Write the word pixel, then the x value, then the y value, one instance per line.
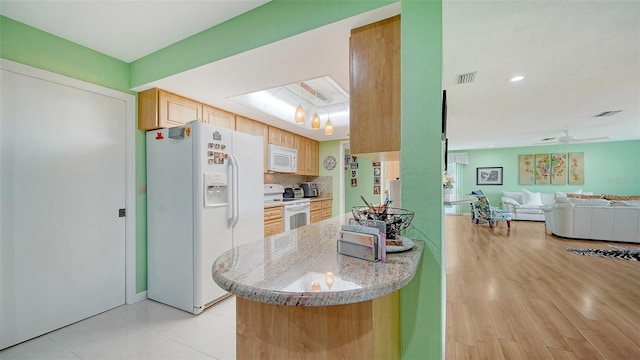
pixel 489 176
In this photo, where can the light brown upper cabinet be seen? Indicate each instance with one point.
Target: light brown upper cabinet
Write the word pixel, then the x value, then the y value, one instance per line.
pixel 248 126
pixel 314 158
pixel 374 90
pixel 161 109
pixel 308 156
pixel 281 137
pixel 217 117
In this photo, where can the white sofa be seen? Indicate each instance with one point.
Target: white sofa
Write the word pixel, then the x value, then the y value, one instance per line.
pixel 521 209
pixel 594 219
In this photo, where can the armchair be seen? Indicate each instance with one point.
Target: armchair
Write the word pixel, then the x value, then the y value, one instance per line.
pixel 484 212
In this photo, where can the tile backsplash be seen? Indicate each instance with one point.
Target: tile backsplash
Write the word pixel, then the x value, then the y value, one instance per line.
pixel 325 183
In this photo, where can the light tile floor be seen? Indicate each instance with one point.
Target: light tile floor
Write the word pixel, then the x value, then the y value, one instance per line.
pixel 144 330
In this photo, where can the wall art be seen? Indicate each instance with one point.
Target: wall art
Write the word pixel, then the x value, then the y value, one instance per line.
pixel 489 176
pixel 558 168
pixel 526 169
pixel 376 178
pixel 543 163
pixel 554 168
pixel 576 168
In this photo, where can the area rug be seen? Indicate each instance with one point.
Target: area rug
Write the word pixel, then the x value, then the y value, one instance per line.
pixel 620 252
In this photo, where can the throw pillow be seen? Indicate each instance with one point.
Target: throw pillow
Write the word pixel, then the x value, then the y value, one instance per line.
pixel 584 196
pixel 531 198
pixel 620 197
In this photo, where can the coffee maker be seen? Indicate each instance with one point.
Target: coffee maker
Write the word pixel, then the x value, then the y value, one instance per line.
pixel 310 189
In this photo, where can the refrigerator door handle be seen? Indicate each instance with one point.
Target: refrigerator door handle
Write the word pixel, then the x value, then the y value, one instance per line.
pixel 230 194
pixel 235 190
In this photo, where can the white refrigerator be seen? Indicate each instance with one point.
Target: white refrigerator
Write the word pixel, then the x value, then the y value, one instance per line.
pixel 204 196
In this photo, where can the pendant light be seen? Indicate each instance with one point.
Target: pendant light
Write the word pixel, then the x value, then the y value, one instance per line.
pixel 328 127
pixel 300 116
pixel 315 120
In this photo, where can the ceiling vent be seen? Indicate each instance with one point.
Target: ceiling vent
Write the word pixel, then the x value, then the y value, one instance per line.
pixel 466 78
pixel 607 113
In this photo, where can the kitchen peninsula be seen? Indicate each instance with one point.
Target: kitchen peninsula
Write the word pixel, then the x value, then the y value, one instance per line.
pixel 298 298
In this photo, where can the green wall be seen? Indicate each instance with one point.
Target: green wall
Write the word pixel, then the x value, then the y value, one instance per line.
pixel 421 173
pixel 27 45
pixel 332 148
pixel 422 314
pixel 141 211
pixel 610 167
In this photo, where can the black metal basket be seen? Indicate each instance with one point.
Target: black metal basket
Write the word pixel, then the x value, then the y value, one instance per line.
pixel 396 219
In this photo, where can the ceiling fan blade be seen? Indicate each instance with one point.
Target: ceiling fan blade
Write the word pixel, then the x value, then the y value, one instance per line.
pixel 591 139
pixel 547 142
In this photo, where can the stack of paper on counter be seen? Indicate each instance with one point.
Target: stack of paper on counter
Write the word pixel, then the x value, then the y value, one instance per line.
pixel 362 242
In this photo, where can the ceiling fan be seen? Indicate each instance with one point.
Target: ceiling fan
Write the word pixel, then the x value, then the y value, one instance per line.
pixel 568 139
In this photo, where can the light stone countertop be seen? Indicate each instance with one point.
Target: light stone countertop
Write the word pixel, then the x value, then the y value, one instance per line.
pixel 282 269
pixel 281 203
pixel 457 199
pixel 273 204
pixel 321 198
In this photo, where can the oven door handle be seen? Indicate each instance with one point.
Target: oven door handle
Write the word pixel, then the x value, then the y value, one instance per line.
pixel 296 208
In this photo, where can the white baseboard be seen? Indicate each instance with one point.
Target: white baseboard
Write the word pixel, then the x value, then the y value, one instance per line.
pixel 138 297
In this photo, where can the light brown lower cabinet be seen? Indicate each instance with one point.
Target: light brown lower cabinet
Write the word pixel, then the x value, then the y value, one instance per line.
pixel 316 216
pixel 316 211
pixel 273 221
pixel 326 209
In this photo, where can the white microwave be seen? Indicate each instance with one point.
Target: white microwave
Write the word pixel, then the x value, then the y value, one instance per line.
pixel 283 159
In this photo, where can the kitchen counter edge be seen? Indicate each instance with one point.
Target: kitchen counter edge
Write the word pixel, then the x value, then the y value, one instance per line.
pixel 390 276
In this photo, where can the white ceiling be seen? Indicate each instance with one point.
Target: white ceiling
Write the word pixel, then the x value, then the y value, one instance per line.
pixel 578 58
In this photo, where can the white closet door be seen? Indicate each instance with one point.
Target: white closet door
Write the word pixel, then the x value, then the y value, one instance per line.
pixel 62 181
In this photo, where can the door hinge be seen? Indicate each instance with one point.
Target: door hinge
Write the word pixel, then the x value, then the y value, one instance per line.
pixel 122 212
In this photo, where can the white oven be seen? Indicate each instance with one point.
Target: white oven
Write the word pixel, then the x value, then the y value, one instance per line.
pixel 297 213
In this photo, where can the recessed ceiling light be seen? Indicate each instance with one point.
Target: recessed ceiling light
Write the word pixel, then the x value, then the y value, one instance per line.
pixel 516 78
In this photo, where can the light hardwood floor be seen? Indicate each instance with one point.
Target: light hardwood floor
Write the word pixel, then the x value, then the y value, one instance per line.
pixel 518 294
